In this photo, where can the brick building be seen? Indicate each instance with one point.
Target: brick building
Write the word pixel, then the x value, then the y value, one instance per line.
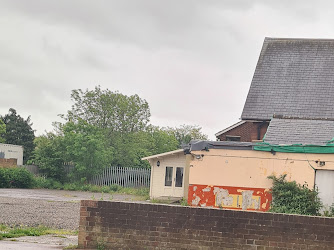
pixel 293 79
pixel 244 131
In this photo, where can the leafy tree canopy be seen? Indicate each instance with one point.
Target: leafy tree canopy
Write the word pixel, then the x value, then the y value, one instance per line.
pixel 80 143
pixel 19 132
pixel 2 131
pixel 185 133
pixel 107 128
pixel 109 110
pixel 85 146
pixel 131 147
pixel 49 156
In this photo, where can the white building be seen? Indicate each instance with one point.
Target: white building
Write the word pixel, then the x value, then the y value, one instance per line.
pixel 8 151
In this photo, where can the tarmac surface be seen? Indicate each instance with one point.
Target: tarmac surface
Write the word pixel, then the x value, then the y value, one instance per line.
pixel 14 245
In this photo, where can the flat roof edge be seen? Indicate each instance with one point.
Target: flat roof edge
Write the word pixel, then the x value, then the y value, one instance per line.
pixel 163 154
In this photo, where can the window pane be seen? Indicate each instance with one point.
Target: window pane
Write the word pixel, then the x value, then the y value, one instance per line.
pixel 169 176
pixel 179 177
pixel 232 138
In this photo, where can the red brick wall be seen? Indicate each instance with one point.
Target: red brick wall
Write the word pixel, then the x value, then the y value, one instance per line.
pixel 247 131
pixel 118 225
pixel 7 163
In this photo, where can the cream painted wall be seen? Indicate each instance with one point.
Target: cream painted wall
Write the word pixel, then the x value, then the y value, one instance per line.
pixel 157 185
pixel 249 168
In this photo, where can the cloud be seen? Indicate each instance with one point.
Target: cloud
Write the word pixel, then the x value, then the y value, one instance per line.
pixel 192 60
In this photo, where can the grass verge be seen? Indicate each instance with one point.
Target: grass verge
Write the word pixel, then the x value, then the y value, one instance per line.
pixel 141 193
pixel 19 231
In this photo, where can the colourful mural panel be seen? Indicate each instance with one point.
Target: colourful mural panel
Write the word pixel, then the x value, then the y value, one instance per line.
pixel 242 198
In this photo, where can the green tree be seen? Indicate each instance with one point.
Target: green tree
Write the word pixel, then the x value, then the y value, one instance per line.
pixel 2 131
pixel 109 110
pixel 131 147
pixel 85 145
pixel 19 132
pixel 164 140
pixel 185 133
pixel 49 156
pixel 124 122
pixel 80 143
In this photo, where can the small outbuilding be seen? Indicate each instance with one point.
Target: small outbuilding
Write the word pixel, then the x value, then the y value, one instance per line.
pixel 169 175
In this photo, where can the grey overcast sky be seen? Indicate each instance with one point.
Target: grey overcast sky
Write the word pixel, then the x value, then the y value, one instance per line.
pixel 193 61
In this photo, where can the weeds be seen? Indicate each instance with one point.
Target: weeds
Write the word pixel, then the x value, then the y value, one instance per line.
pixel 19 231
pixel 184 202
pixel 168 201
pixel 41 182
pixel 329 212
pixel 71 247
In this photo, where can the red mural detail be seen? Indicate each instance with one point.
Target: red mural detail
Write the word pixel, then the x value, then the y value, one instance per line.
pixel 241 198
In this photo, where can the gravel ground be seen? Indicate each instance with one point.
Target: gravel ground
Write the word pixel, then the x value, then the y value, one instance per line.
pixel 51 208
pixel 31 212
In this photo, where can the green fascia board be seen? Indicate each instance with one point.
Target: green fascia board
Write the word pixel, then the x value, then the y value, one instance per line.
pixel 296 148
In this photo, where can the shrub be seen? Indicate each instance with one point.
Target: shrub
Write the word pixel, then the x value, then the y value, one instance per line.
pixel 16 178
pixel 293 198
pixel 21 178
pixel 115 188
pixel 4 178
pixel 48 183
pixel 70 186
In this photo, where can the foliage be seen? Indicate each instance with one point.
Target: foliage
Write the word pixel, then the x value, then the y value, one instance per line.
pixel 106 128
pixel 109 110
pixel 47 183
pixel 80 143
pixel 2 131
pixel 185 133
pixel 16 178
pixel 19 132
pixel 329 212
pixel 85 146
pixel 293 198
pixel 163 140
pixel 48 156
pixel 184 202
pixel 131 147
pixel 19 231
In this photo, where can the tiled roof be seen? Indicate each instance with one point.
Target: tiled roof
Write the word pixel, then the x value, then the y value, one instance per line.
pixel 293 77
pixel 299 131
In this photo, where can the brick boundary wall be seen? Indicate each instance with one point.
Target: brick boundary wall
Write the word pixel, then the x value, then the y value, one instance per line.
pixel 8 163
pixel 122 225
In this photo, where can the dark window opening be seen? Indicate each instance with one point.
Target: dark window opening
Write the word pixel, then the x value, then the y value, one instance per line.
pixel 179 177
pixel 232 138
pixel 168 176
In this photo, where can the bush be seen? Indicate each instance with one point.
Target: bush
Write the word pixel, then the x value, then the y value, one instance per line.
pixel 48 183
pixel 293 198
pixel 16 178
pixel 4 178
pixel 115 188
